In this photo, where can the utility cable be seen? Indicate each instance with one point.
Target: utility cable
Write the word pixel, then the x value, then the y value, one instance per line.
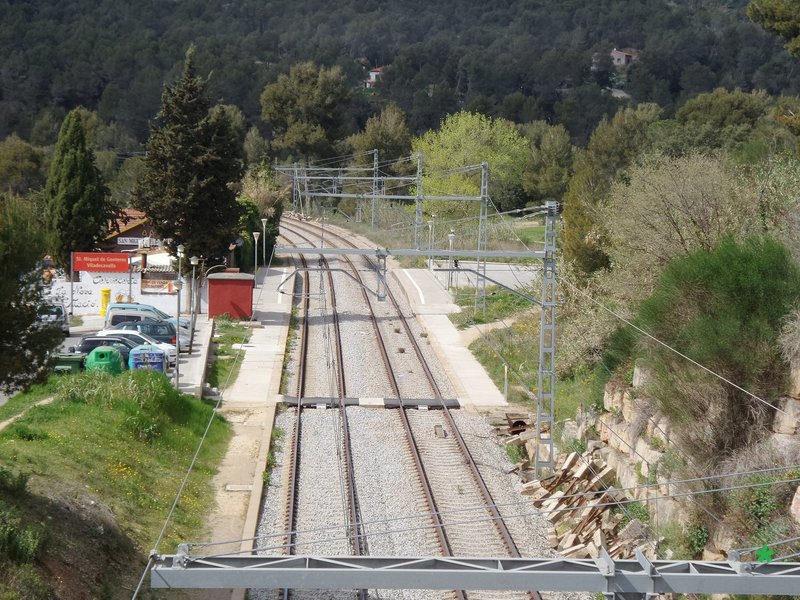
pixel 671 349
pixel 185 481
pixel 577 495
pixel 486 518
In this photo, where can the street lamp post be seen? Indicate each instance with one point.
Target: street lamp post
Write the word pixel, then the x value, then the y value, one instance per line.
pixel 450 238
pixel 178 288
pixel 430 243
pixel 193 298
pixel 256 235
pixel 264 241
pixel 181 249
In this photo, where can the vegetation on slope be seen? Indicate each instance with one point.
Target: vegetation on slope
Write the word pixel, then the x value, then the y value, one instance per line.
pixel 102 464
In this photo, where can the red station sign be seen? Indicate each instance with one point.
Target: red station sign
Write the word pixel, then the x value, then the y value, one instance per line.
pixel 100 262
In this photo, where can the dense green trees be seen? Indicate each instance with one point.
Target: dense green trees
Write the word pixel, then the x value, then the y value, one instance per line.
pixel 781 17
pixel 387 133
pixel 194 155
pixel 24 347
pixel 305 110
pixel 468 139
pixel 78 210
pixel 518 60
pixel 20 166
pixel 612 147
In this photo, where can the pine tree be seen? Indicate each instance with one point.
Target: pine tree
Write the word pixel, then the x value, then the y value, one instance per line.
pixel 78 210
pixel 25 348
pixel 193 157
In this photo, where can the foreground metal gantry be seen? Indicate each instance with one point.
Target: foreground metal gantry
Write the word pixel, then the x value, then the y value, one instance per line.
pixel 614 578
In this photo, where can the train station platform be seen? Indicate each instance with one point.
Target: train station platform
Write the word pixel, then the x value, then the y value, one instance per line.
pixel 431 303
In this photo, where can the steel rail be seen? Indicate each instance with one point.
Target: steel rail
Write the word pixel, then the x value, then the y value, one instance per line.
pixel 500 524
pixel 433 511
pixel 357 539
pixel 294 468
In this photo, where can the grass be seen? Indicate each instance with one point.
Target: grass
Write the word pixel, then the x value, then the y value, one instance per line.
pixel 530 234
pixel 518 346
pixel 75 321
pixel 124 443
pixel 22 401
pixel 227 360
pixel 500 304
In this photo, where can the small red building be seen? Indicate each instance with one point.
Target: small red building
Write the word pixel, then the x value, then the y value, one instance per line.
pixel 230 293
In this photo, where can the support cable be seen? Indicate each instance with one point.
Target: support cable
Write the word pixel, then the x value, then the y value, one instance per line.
pixel 214 412
pixel 578 495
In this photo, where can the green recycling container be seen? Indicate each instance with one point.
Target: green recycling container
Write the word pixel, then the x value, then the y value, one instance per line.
pixel 67 363
pixel 105 358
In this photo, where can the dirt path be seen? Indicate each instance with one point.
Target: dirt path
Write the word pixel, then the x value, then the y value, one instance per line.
pixel 7 422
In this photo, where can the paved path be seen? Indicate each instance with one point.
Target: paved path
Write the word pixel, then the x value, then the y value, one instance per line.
pixel 431 304
pixel 249 406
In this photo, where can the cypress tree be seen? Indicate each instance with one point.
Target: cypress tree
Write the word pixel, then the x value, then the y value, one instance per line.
pixel 193 157
pixel 78 210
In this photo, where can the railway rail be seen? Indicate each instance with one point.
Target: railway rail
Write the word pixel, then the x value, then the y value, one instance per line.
pixel 464 456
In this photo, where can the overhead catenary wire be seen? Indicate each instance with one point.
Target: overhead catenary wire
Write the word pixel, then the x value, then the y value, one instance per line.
pixel 506 516
pixel 578 495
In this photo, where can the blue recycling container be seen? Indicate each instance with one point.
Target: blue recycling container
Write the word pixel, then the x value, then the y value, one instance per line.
pixel 148 357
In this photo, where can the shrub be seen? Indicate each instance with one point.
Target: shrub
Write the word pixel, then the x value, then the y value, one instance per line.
pixel 13 484
pixel 17 542
pixel 697 535
pixel 724 309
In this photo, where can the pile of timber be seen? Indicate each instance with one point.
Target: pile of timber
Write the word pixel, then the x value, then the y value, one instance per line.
pixel 579 501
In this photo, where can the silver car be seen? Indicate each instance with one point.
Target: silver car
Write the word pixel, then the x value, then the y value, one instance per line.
pixel 55 315
pixel 142 338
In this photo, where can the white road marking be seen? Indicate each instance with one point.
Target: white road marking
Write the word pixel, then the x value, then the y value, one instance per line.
pixel 419 290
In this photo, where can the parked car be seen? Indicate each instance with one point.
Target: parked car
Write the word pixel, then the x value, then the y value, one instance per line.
pixel 159 330
pixel 145 309
pixel 90 342
pixel 55 315
pixel 143 339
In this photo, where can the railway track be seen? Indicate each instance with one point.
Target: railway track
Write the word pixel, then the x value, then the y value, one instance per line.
pixel 448 475
pixel 357 540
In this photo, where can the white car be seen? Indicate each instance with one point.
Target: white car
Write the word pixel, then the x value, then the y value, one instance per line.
pixel 142 338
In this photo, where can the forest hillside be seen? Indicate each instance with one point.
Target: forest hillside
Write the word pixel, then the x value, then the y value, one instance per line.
pixel 510 58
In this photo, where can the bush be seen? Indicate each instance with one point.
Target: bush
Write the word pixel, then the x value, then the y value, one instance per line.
pixel 724 309
pixel 22 582
pixel 147 398
pixel 13 484
pixel 19 543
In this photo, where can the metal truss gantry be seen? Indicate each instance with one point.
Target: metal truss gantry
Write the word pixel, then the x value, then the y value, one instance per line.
pixel 639 578
pixel 545 397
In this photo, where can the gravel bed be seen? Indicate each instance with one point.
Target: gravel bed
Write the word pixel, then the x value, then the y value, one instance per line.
pixel 528 528
pixel 386 481
pixel 365 375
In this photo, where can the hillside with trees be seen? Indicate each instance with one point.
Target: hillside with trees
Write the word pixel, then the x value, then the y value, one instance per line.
pixel 676 171
pixel 513 58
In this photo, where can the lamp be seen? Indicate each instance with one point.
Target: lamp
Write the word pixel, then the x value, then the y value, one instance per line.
pixel 194 260
pixel 264 241
pixel 256 235
pixel 450 238
pixel 178 288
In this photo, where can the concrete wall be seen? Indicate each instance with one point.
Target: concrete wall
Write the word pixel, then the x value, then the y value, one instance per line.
pixel 84 295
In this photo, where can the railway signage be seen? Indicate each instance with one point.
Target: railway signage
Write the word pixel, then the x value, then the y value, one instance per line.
pixel 100 262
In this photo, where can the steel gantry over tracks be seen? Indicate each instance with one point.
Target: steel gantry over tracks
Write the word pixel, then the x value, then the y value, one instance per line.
pixel 639 578
pixel 545 397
